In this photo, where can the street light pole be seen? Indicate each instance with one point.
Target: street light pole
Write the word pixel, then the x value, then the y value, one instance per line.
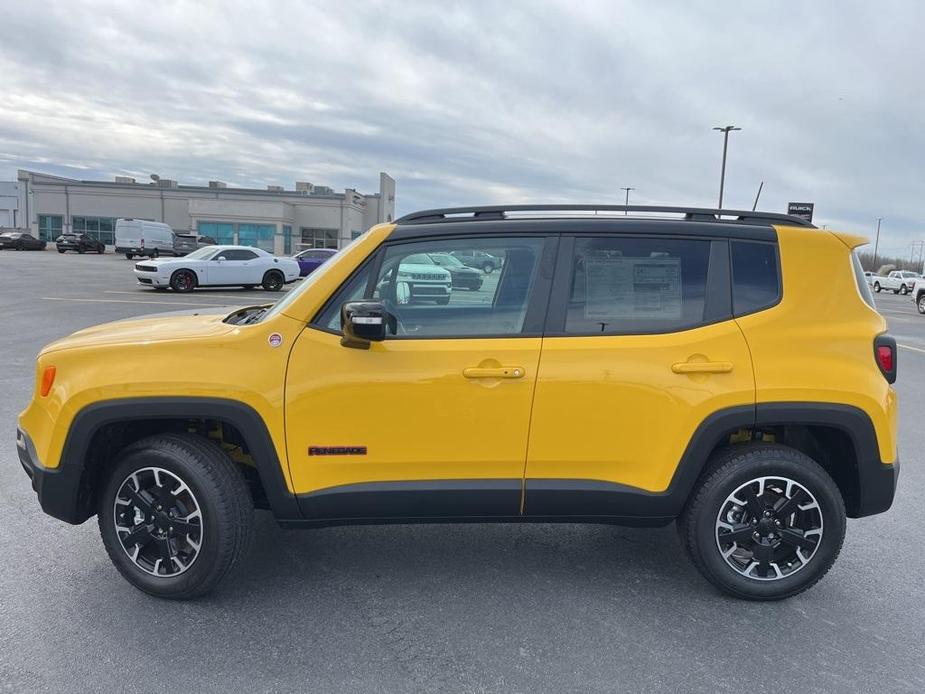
pixel 627 198
pixel 876 244
pixel 725 130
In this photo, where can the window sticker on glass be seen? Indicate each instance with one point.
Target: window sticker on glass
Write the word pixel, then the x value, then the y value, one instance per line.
pixel 619 287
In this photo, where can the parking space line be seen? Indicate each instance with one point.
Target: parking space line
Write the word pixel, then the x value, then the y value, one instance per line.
pixel 914 349
pixel 203 294
pixel 126 301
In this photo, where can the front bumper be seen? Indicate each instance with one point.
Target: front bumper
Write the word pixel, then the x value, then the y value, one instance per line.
pixel 150 279
pixel 56 489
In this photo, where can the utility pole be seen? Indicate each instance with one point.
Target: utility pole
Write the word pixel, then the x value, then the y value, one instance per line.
pixel 627 198
pixel 725 130
pixel 877 243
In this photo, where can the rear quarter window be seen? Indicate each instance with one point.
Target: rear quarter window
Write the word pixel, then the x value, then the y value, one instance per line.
pixel 756 283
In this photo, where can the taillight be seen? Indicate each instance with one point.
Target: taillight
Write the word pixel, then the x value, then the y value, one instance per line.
pixel 48 380
pixel 885 356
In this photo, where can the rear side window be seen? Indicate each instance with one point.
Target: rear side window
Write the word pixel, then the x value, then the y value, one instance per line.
pixel 637 285
pixel 859 277
pixel 755 276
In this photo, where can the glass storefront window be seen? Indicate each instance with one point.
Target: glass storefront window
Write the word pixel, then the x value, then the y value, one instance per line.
pixel 222 232
pixel 100 228
pixel 319 238
pixel 259 235
pixel 50 226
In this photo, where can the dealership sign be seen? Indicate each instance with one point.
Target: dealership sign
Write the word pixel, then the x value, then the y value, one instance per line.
pixel 803 210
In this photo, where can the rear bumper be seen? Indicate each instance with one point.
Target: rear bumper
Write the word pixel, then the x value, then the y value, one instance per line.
pixel 56 489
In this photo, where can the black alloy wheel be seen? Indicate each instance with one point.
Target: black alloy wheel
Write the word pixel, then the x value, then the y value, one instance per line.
pixel 769 528
pixel 183 281
pixel 764 523
pixel 158 521
pixel 273 281
pixel 175 515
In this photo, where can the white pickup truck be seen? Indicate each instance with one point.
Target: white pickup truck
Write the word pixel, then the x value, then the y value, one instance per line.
pixel 898 281
pixel 918 295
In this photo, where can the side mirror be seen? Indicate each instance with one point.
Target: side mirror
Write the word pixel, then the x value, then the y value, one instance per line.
pixel 363 322
pixel 220 259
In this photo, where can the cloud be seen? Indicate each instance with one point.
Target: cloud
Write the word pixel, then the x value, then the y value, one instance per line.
pixel 482 102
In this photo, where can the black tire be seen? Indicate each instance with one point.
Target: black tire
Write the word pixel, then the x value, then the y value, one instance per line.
pixel 920 303
pixel 273 281
pixel 101 250
pixel 129 256
pixel 183 281
pixel 223 499
pixel 725 475
pixel 903 289
pixel 20 246
pixel 443 301
pixel 488 268
pixel 877 287
pixel 81 250
pixel 896 291
pixel 60 250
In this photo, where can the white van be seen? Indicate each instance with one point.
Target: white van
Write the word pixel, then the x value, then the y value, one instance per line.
pixel 139 237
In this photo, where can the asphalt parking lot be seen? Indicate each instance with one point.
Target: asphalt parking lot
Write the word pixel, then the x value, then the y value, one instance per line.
pixel 454 608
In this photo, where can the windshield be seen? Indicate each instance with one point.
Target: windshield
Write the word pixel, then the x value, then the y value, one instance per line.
pixel 309 281
pixel 418 259
pixel 202 253
pixel 446 260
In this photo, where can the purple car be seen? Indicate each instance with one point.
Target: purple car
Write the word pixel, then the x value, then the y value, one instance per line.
pixel 313 258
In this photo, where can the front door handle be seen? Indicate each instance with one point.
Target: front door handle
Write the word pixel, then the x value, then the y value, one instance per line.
pixel 494 372
pixel 702 367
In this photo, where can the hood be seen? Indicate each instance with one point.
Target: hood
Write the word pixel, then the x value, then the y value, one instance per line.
pixel 160 327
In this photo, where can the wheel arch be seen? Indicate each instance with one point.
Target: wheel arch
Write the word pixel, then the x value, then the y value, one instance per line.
pixel 100 431
pixel 841 438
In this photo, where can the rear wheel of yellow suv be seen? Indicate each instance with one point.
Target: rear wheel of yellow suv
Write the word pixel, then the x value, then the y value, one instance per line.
pixel 175 515
pixel 766 522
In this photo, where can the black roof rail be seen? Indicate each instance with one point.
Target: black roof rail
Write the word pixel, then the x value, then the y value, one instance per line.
pixel 694 214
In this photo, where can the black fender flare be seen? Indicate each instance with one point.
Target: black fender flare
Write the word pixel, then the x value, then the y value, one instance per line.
pixel 69 500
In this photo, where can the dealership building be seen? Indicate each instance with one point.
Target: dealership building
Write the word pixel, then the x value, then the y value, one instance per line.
pixel 275 219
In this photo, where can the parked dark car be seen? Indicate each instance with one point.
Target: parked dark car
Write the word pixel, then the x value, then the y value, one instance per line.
pixel 80 243
pixel 486 262
pixel 21 241
pixel 203 241
pixel 313 258
pixel 463 277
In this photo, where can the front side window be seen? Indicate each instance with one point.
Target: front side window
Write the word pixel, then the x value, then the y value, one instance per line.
pixel 637 285
pixel 419 294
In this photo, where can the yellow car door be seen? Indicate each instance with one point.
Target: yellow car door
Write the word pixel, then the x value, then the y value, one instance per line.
pixel 431 421
pixel 640 351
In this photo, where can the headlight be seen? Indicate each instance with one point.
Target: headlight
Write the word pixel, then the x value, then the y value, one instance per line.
pixel 404 275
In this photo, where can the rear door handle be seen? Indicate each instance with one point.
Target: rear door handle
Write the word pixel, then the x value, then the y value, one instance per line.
pixel 494 372
pixel 702 367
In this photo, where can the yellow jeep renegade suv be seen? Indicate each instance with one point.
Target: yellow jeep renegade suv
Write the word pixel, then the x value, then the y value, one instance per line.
pixel 614 368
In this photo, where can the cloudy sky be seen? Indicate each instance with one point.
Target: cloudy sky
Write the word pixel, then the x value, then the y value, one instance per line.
pixel 483 102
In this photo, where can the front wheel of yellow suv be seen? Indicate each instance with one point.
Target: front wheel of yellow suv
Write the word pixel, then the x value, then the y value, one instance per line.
pixel 175 515
pixel 765 522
